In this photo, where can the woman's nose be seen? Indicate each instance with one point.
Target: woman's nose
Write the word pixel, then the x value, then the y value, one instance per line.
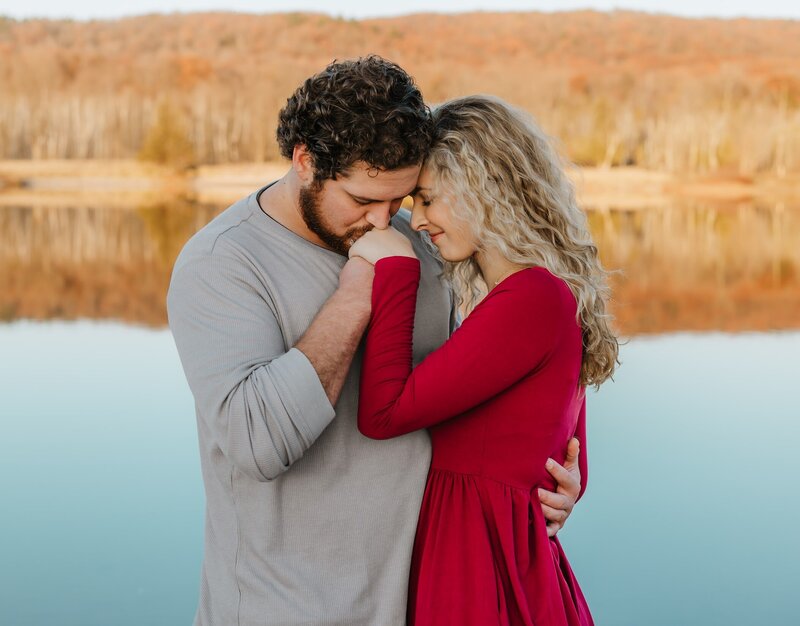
pixel 418 219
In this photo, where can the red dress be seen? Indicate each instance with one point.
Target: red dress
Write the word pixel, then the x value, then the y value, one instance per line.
pixel 499 397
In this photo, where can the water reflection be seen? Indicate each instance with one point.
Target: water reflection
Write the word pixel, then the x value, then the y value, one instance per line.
pixel 685 266
pixel 93 262
pixel 694 266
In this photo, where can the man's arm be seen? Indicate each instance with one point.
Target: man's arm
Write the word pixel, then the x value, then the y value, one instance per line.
pixel 558 506
pixel 261 405
pixel 333 337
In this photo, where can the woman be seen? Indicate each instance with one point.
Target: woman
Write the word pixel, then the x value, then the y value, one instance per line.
pixel 506 391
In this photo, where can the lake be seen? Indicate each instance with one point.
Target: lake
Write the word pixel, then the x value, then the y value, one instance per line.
pixel 688 518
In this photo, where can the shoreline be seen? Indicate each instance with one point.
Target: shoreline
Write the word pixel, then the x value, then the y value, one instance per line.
pixel 126 183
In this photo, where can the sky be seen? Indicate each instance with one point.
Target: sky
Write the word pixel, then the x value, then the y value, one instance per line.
pixel 98 9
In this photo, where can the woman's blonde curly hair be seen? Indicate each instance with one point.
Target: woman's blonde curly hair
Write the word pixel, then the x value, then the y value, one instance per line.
pixel 502 176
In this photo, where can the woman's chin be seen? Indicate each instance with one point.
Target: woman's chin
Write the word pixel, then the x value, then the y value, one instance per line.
pixel 450 257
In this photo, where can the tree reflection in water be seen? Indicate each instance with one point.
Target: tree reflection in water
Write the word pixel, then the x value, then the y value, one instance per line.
pixel 684 266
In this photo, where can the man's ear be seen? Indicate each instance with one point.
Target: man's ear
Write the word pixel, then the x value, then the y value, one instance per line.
pixel 303 163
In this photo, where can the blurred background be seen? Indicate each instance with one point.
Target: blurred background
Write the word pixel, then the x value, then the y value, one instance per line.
pixel 122 135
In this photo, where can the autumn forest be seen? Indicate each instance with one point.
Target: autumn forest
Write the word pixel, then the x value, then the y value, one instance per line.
pixel 617 88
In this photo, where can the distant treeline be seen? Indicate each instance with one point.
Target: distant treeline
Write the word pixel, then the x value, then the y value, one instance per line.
pixel 615 88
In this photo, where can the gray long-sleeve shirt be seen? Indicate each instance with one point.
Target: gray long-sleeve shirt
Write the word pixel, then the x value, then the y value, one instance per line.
pixel 307 521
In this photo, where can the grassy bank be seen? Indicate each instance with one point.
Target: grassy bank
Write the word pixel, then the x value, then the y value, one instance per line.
pixel 128 182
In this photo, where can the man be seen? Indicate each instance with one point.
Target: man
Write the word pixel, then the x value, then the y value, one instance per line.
pixel 307 521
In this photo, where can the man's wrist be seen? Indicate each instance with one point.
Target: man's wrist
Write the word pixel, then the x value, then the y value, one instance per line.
pixel 357 300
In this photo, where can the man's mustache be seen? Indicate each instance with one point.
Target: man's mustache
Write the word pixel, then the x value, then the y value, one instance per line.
pixel 356 233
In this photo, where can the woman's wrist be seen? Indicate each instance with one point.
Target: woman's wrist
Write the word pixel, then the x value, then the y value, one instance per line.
pixel 399 255
pixel 399 261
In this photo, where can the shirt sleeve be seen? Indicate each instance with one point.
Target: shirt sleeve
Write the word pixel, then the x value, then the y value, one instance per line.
pixel 455 313
pixel 507 336
pixel 258 400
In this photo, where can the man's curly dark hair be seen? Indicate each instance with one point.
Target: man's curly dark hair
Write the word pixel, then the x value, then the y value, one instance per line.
pixel 368 109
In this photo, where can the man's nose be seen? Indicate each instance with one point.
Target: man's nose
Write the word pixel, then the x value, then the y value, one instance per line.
pixel 380 215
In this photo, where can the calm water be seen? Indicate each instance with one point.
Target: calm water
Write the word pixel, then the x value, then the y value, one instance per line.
pixel 689 519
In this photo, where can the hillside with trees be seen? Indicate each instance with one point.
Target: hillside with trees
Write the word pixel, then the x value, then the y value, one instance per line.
pixel 620 88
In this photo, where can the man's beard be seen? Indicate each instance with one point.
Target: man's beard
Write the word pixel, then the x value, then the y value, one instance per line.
pixel 312 216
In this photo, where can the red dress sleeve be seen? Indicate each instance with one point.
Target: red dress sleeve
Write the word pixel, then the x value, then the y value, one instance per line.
pixel 507 336
pixel 580 434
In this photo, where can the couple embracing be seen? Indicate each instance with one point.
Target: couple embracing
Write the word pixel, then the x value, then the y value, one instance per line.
pixel 366 458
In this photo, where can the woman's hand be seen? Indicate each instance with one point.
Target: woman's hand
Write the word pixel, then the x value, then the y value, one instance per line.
pixel 378 244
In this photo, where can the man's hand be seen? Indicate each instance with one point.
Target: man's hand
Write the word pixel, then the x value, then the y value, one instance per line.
pixel 378 244
pixel 558 506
